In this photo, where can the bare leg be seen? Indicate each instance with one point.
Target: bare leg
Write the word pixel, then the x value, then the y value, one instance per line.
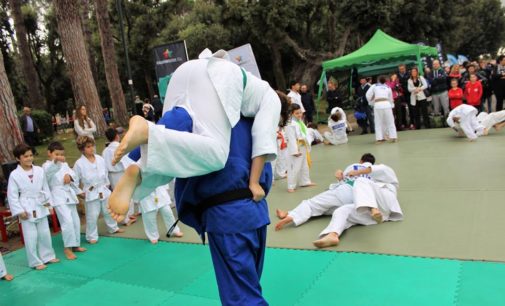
pixel 119 200
pixel 283 223
pixel 8 277
pixel 329 240
pixel 499 126
pixel 137 134
pixel 119 231
pixel 281 214
pixel 376 215
pixel 69 254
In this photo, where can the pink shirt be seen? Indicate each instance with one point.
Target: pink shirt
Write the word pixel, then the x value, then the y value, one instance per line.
pixel 394 87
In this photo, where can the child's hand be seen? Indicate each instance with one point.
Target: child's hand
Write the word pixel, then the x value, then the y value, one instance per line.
pixel 61 159
pixel 257 191
pixel 23 216
pixel 67 179
pixel 297 154
pixel 339 175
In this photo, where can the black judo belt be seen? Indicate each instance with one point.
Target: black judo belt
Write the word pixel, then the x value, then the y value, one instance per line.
pixel 218 199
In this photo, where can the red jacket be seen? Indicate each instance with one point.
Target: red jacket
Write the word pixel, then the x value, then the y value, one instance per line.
pixel 455 97
pixel 473 93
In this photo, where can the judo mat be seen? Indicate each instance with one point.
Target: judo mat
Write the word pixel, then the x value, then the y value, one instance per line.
pixel 119 271
pixel 452 193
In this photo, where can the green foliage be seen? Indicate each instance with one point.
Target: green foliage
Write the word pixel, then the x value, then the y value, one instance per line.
pixel 44 121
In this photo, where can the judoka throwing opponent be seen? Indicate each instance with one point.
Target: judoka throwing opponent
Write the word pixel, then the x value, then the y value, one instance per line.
pixel 218 130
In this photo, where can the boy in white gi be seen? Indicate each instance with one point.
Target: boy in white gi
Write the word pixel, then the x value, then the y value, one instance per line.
pixel 463 119
pixel 117 170
pixel 299 161
pixel 375 201
pixel 160 201
pixel 3 270
pixel 29 197
pixel 380 97
pixel 337 123
pixel 92 175
pixel 494 120
pixel 325 203
pixel 279 165
pixel 62 183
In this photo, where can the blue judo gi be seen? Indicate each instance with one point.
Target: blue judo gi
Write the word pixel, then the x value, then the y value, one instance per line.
pixel 236 229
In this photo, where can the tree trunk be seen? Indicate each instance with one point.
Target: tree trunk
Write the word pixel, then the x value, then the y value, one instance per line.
pixel 85 9
pixel 9 125
pixel 277 68
pixel 76 56
pixel 35 98
pixel 149 84
pixel 109 59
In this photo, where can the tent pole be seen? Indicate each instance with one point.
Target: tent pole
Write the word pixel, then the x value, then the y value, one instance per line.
pixel 319 92
pixel 419 63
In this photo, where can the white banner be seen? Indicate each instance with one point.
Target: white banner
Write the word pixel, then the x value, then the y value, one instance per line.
pixel 244 57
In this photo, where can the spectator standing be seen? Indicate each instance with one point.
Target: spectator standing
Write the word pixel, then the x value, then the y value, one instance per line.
pixel 83 125
pixel 294 94
pixel 138 105
pixel 416 85
pixel 455 94
pixel 362 106
pixel 399 108
pixel 308 103
pixel 487 91
pixel 403 78
pixel 158 107
pixel 30 129
pixel 332 96
pixel 499 82
pixel 473 92
pixel 438 80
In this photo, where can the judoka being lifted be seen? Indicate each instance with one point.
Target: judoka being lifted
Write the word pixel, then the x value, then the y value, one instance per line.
pixel 218 131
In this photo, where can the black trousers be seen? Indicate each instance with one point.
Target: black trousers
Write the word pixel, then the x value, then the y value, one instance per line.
pixel 400 113
pixel 421 110
pixel 31 139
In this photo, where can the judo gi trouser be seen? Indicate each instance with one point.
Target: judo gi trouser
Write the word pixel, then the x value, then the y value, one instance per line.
pixel 298 170
pixel 322 204
pixel 440 100
pixel 70 225
pixel 238 264
pixel 93 209
pixel 344 217
pixel 38 244
pixel 3 269
pixel 368 194
pixel 489 120
pixel 151 225
pixel 470 127
pixel 384 124
pixel 333 139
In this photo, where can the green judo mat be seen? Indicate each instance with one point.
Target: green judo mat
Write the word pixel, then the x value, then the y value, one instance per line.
pixel 119 271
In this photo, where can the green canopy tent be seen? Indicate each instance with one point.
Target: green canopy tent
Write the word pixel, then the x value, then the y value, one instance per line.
pixel 380 52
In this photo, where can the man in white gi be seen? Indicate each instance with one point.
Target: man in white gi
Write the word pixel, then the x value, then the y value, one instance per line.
pixel 29 198
pixel 325 203
pixel 62 183
pixel 159 200
pixel 463 119
pixel 375 201
pixel 337 123
pixel 380 97
pixel 215 93
pixel 294 94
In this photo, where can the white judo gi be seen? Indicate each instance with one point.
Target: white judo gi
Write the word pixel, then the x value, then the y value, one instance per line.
pixel 337 134
pixel 115 172
pixel 211 89
pixel 313 135
pixel 296 98
pixel 468 123
pixel 280 164
pixel 65 201
pixel 380 97
pixel 3 269
pixel 95 181
pixel 159 200
pixel 489 120
pixel 377 190
pixel 327 202
pixel 298 166
pixel 32 195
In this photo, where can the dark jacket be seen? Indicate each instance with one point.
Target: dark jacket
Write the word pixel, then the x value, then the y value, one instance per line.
pixel 438 81
pixel 24 124
pixel 361 94
pixel 333 100
pixel 308 102
pixel 404 82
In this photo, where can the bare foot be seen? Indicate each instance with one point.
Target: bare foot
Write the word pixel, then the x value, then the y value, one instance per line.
pixel 177 235
pixel 54 260
pixel 376 215
pixel 119 231
pixel 309 184
pixel 281 214
pixel 499 126
pixel 154 241
pixel 130 222
pixel 393 140
pixel 138 132
pixel 283 223
pixel 485 132
pixel 79 249
pixel 291 190
pixel 40 267
pixel 93 242
pixel 379 142
pixel 119 200
pixel 69 254
pixel 8 277
pixel 327 241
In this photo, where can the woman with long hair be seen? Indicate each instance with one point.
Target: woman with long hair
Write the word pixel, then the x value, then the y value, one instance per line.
pixel 83 125
pixel 418 102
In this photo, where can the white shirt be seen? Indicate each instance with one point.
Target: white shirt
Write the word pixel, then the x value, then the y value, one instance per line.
pixel 88 129
pixel 296 98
